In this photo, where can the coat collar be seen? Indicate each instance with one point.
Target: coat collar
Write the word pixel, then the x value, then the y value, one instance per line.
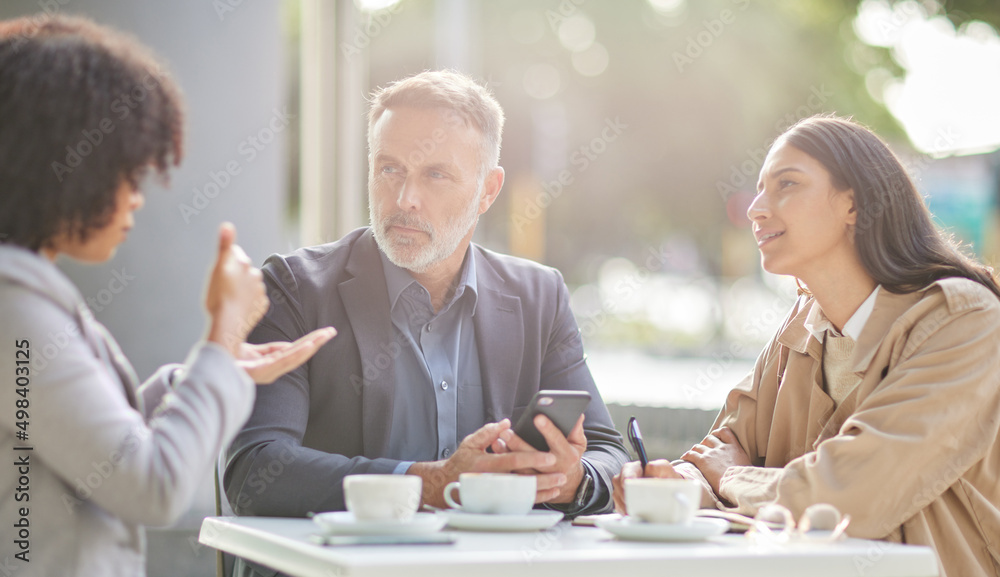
pixel 888 308
pixel 795 335
pixel 824 417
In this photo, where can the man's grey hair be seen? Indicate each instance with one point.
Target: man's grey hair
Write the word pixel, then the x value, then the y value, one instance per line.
pixel 454 92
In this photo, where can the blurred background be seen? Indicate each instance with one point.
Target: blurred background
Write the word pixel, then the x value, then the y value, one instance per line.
pixel 635 132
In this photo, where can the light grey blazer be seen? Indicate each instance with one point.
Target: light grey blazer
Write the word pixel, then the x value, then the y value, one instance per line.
pixel 105 456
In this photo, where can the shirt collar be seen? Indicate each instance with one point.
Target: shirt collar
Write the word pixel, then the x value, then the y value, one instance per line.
pixel 397 279
pixel 817 324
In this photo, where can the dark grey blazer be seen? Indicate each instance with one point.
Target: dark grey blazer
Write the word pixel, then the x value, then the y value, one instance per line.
pixel 331 417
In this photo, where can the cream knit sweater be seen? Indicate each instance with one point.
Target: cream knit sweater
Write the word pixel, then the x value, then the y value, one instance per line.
pixel 838 378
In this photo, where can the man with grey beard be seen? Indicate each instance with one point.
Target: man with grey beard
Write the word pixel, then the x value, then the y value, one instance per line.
pixel 441 343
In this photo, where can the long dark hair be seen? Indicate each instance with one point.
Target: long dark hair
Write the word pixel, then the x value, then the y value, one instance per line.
pixel 895 237
pixel 82 107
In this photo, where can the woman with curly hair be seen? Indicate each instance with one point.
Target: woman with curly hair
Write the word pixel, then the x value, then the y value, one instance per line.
pixel 86 113
pixel 880 393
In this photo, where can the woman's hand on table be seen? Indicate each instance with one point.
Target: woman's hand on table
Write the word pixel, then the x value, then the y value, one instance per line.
pixel 716 453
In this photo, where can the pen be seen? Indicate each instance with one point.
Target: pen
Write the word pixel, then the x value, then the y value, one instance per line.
pixel 635 437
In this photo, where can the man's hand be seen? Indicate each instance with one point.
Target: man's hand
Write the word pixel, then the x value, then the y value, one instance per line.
pixel 266 362
pixel 471 456
pixel 558 482
pixel 660 468
pixel 716 453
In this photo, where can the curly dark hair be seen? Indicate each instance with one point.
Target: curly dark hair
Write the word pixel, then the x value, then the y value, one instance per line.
pixel 82 107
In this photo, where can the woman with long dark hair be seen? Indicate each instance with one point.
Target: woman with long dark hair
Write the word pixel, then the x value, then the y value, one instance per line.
pixel 880 393
pixel 90 457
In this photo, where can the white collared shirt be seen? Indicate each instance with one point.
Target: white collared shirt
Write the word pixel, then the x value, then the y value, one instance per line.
pixel 817 324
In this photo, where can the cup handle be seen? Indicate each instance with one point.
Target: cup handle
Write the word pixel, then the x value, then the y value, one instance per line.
pixel 447 495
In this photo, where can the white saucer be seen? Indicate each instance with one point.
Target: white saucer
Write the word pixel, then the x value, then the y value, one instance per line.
pixel 535 520
pixel 632 529
pixel 344 523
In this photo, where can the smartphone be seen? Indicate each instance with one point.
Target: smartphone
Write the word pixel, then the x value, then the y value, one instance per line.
pixel 563 408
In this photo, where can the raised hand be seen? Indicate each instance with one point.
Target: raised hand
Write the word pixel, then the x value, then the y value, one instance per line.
pixel 235 299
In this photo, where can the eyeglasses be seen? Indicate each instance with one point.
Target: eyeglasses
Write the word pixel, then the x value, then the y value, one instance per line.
pixel 820 523
pixel 635 438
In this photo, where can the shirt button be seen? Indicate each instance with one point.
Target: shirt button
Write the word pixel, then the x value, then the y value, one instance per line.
pixel 444 386
pixel 427 327
pixel 445 453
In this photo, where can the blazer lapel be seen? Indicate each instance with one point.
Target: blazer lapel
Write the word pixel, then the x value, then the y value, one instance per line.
pixel 366 299
pixel 499 339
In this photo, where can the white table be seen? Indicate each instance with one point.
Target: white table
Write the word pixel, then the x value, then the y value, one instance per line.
pixel 563 550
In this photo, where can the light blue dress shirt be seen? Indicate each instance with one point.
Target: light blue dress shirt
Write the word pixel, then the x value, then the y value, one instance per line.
pixel 439 394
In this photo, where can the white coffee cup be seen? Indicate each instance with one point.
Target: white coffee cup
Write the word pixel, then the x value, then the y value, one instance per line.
pixel 672 501
pixel 382 497
pixel 492 493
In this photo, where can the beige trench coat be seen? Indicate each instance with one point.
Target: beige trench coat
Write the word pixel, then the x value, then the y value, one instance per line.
pixel 912 454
